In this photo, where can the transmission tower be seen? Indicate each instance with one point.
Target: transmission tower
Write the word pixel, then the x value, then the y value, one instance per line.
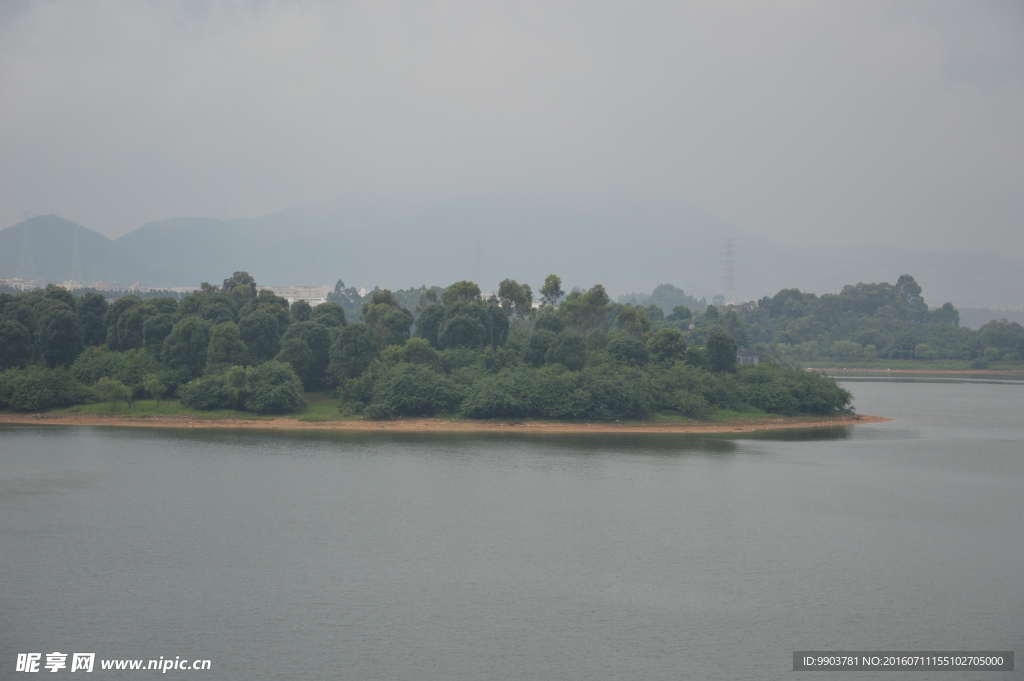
pixel 730 279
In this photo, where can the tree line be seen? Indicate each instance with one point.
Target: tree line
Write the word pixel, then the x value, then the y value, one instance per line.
pixel 574 355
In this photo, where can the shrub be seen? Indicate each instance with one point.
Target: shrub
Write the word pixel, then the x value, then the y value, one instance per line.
pixel 568 349
pixel 94 364
pixel 36 388
pixel 629 351
pixel 113 391
pixel 412 390
pixel 274 389
pixel 204 393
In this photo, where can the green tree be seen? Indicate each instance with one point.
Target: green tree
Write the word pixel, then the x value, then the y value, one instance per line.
pixel 301 310
pixel 218 309
pixel 226 348
pixel 36 387
pixel 537 347
pixel 628 350
pixel 568 349
pixel 318 339
pixel 92 307
pixel 389 322
pixel 267 302
pixel 330 315
pixel 429 323
pixel 94 363
pixel 516 299
pixel 15 344
pixel 412 390
pixel 465 291
pixel 155 329
pixel 635 322
pixel 274 389
pixel 129 328
pixel 548 319
pixel 680 313
pixel 734 326
pixel 133 368
pixel 947 315
pixel 184 348
pixel 240 287
pixel 586 311
pixel 461 331
pixel 720 351
pixel 113 314
pixel 260 333
pixel 418 351
pixel 237 386
pixel 296 352
pixel 60 340
pixel 155 388
pixel 112 391
pixel 352 352
pixel 667 345
pixel 551 292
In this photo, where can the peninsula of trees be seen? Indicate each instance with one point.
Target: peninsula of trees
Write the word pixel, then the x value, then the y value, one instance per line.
pixel 574 356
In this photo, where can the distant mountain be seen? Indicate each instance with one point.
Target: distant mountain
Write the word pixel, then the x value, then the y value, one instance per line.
pixel 626 248
pixel 399 245
pixel 51 247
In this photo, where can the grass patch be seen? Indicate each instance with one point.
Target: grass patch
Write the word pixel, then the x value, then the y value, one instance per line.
pixel 144 408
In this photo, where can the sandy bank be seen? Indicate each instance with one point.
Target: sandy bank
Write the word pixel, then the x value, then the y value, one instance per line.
pixel 994 372
pixel 427 425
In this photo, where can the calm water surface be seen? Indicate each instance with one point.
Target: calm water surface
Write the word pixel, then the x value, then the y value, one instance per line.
pixel 391 556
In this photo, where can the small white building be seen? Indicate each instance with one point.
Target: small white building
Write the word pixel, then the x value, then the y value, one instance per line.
pixel 744 356
pixel 314 295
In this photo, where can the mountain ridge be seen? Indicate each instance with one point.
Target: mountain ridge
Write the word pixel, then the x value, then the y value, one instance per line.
pixel 398 245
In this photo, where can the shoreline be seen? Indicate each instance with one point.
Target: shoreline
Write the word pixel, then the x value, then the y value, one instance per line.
pixel 432 425
pixel 994 372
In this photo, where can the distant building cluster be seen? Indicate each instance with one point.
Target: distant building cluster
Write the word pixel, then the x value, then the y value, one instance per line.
pixel 71 285
pixel 314 295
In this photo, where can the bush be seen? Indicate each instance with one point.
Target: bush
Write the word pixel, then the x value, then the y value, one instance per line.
pixel 36 388
pixel 110 390
pixel 94 364
pixel 630 351
pixel 412 390
pixel 204 393
pixel 781 390
pixel 274 389
pixel 600 393
pixel 568 349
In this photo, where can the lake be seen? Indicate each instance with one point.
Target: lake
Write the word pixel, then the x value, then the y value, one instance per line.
pixel 445 556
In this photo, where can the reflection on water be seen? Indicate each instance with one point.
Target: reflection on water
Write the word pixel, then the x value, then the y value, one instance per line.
pixel 465 556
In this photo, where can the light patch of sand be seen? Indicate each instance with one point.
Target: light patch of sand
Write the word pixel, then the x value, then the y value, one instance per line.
pixel 429 425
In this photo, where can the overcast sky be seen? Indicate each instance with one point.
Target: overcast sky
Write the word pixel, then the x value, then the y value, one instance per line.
pixel 854 122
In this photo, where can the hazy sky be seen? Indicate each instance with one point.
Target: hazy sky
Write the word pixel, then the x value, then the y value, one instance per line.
pixel 851 122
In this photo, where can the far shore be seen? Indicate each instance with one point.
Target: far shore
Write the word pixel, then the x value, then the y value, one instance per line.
pixel 919 371
pixel 435 425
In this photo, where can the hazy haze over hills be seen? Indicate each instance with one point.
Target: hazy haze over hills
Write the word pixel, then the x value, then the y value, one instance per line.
pixel 565 137
pixel 367 244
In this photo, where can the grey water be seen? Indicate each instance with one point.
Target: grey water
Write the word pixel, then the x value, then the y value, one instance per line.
pixel 443 556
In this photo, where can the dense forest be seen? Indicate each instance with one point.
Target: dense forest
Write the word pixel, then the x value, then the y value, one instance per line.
pixel 559 355
pixel 868 321
pixel 574 355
